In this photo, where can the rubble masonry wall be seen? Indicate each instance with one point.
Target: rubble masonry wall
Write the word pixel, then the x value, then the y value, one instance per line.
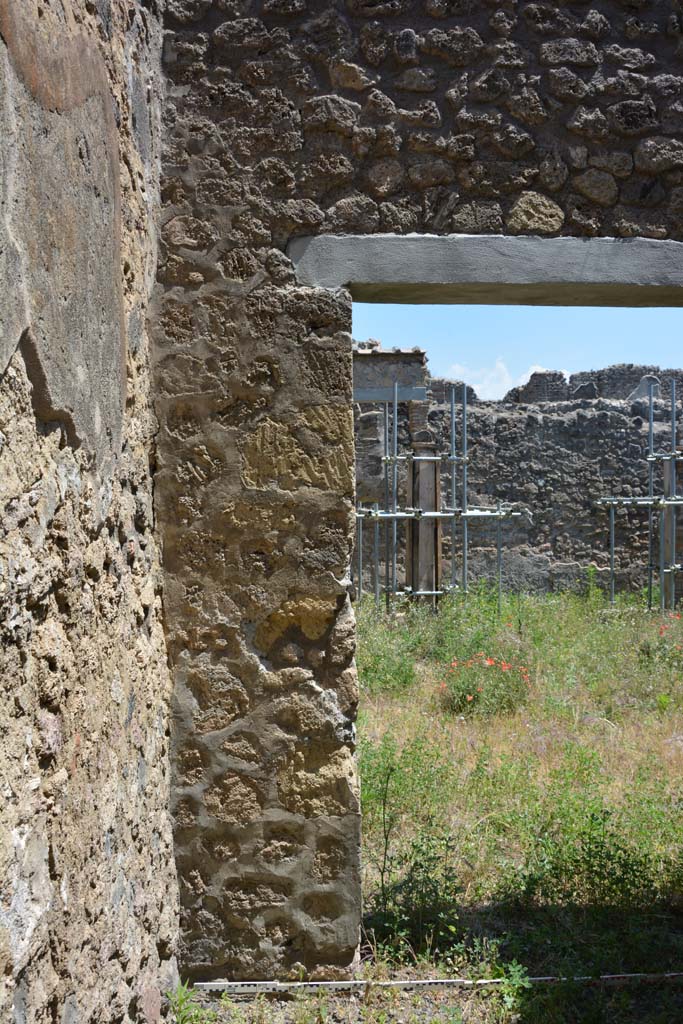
pixel 289 118
pixel 88 894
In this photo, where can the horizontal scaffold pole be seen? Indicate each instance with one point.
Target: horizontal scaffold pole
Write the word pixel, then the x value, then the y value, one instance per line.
pixel 657 502
pixel 456 513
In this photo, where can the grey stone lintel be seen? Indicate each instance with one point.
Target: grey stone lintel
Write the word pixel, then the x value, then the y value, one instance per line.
pixel 495 269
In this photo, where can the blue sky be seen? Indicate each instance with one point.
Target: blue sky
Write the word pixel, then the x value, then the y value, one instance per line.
pixel 496 347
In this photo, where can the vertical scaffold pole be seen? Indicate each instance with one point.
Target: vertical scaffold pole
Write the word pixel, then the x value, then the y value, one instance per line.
pixel 465 530
pixel 387 507
pixel 672 508
pixel 360 554
pixel 650 490
pixel 375 555
pixel 611 554
pixel 394 486
pixel 662 559
pixel 499 559
pixel 453 486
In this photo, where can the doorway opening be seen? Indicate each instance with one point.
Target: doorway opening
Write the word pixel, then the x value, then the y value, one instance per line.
pixel 519 750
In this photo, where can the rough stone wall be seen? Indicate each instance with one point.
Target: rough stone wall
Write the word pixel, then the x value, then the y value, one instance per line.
pixel 88 895
pixel 255 488
pixel 556 459
pixel 542 387
pixel 288 118
pixel 618 382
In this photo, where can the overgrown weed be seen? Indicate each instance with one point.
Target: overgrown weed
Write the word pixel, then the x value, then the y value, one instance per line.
pixel 533 818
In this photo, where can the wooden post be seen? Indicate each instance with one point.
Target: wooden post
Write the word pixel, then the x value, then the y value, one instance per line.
pixel 670 521
pixel 423 538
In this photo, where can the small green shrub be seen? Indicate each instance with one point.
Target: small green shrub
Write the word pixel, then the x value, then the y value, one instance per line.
pixel 186 1009
pixel 484 685
pixel 413 913
pixel 569 819
pixel 514 982
pixel 591 863
pixel 385 664
pixel 402 784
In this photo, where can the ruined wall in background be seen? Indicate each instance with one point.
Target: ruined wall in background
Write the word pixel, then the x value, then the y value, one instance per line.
pixel 289 118
pixel 554 457
pixel 619 382
pixel 88 896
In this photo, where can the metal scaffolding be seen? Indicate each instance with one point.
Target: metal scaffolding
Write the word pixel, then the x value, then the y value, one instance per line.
pixel 662 511
pixel 456 511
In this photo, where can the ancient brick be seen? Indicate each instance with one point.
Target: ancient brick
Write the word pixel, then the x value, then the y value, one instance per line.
pixel 630 59
pixel 478 218
pixel 385 177
pixel 528 106
pixel 429 173
pixel 618 163
pixel 512 141
pixel 595 25
pixel 416 80
pixel 659 154
pixel 406 45
pixel 491 86
pixel 344 75
pixel 546 19
pixel 374 42
pixel 331 114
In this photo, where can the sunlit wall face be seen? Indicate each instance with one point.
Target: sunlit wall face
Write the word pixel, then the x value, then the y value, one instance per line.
pixel 495 348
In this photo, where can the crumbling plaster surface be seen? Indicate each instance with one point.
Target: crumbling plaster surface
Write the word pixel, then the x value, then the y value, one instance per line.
pixel 61 226
pixel 295 118
pixel 88 894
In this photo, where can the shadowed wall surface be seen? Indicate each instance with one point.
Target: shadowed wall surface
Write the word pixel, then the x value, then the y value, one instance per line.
pixel 88 896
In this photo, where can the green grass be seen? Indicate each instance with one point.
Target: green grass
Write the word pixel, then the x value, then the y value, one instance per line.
pixel 540 823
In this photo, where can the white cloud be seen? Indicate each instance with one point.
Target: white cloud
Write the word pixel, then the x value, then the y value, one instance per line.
pixel 493 382
pixel 489 382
